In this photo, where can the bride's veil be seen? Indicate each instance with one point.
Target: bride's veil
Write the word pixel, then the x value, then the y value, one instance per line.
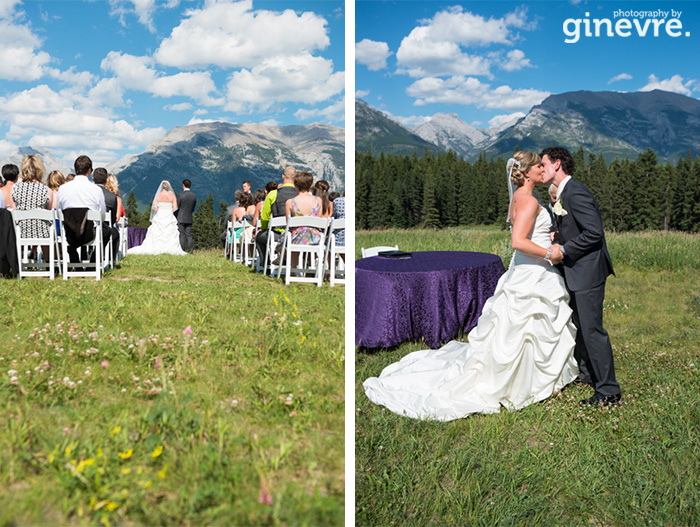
pixel 164 185
pixel 511 186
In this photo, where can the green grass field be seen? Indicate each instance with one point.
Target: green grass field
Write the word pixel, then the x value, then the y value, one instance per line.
pixel 176 391
pixel 554 463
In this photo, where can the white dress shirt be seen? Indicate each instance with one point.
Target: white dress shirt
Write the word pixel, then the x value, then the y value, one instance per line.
pixel 81 193
pixel 560 187
pixel 3 205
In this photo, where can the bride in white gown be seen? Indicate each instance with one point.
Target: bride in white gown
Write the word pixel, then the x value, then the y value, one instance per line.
pixel 522 348
pixel 162 236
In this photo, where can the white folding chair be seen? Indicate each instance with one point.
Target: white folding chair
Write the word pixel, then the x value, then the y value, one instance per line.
pixel 83 268
pixel 227 240
pixel 271 254
pixel 374 251
pixel 334 252
pixel 247 244
pixel 236 241
pixel 310 257
pixel 35 266
pixel 123 237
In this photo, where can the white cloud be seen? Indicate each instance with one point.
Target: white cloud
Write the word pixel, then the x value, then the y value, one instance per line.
pixel 232 35
pixel 515 60
pixel 500 120
pixel 20 58
pixel 372 54
pixel 137 73
pixel 7 7
pixel 7 148
pixel 408 122
pixel 333 112
pixel 178 107
pixel 197 120
pixel 270 122
pixel 61 120
pixel 468 90
pixel 143 9
pixel 435 48
pixel 361 94
pixel 620 77
pixel 674 84
pixel 302 78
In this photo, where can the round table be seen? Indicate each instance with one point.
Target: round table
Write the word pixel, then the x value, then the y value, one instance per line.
pixel 435 295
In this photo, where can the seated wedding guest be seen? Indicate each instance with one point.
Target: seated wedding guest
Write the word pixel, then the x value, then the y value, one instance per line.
pixel 54 180
pixel 31 193
pixel 338 213
pixel 246 186
pixel 333 195
pixel 250 208
pixel 274 207
pixel 320 190
pixel 240 208
pixel 99 178
pixel 9 173
pixel 304 204
pixel 258 200
pixel 113 186
pixel 70 177
pixel 74 199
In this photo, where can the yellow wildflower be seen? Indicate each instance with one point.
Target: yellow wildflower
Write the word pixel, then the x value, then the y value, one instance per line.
pixel 116 430
pixel 126 471
pixel 157 451
pixel 161 474
pixel 99 453
pixel 127 454
pixel 111 506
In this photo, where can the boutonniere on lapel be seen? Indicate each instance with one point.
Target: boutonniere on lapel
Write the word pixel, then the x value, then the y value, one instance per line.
pixel 559 209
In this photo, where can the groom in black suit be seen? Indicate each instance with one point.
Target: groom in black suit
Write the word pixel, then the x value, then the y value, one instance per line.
pixel 586 266
pixel 186 202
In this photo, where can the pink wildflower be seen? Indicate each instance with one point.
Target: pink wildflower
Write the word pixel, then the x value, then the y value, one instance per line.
pixel 265 498
pixel 187 330
pixel 104 363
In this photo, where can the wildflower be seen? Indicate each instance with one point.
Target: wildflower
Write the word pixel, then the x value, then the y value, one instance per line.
pixel 187 330
pixel 161 474
pixel 104 363
pixel 127 454
pixel 265 498
pixel 157 451
pixel 111 506
pixel 116 430
pixel 126 471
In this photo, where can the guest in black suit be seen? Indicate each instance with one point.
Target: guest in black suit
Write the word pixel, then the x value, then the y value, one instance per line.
pixel 99 178
pixel 186 202
pixel 586 266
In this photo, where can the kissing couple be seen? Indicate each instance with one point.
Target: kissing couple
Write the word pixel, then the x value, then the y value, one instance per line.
pixel 542 328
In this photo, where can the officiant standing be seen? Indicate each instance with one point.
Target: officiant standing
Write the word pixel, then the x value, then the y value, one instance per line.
pixel 186 202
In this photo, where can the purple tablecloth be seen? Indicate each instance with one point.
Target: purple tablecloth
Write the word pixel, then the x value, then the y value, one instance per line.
pixel 432 295
pixel 135 236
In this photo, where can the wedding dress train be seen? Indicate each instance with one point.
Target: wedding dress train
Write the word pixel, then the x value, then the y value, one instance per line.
pixel 520 352
pixel 162 236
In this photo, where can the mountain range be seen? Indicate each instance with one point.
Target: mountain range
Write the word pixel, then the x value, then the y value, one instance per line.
pixel 612 124
pixel 218 156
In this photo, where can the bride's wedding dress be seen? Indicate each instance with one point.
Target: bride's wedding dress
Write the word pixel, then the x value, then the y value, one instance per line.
pixel 162 236
pixel 520 352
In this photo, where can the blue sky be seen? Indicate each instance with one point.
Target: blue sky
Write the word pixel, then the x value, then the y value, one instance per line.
pixel 490 61
pixel 107 77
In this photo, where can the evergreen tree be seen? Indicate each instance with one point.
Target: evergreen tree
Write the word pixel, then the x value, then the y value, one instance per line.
pixel 205 229
pixel 131 210
pixel 430 211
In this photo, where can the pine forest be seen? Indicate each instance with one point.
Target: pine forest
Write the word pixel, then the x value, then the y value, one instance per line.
pixel 445 190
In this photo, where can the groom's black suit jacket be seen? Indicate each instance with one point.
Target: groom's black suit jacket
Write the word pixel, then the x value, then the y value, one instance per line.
pixel 186 202
pixel 587 262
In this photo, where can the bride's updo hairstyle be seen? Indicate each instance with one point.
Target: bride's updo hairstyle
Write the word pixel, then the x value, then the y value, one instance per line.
pixel 166 185
pixel 519 165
